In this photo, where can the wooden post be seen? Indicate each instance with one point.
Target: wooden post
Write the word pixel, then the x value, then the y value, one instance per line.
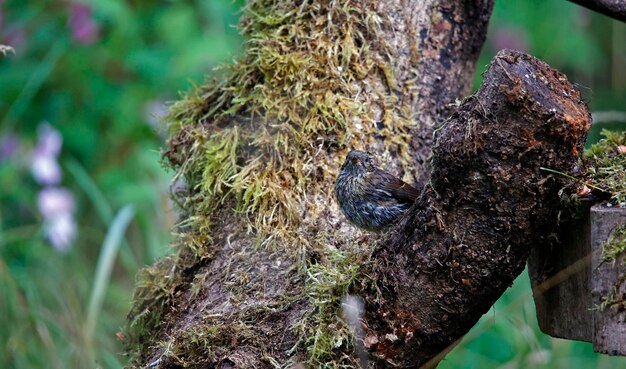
pixel 572 285
pixel 560 277
pixel 607 284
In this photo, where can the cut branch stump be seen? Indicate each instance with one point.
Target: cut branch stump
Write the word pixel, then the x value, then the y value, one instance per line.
pixel 487 205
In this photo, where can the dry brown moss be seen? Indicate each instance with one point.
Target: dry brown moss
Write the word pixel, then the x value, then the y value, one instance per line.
pixel 257 141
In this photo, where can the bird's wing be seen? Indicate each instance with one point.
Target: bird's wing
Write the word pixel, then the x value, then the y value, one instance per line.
pixel 404 192
pixel 395 188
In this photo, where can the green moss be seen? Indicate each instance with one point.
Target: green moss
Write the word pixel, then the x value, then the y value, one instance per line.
pixel 152 292
pixel 219 163
pixel 207 341
pixel 327 335
pixel 615 245
pixel 607 169
pixel 253 146
pixel 295 89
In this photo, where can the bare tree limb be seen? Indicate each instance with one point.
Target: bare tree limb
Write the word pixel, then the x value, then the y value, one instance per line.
pixel 615 9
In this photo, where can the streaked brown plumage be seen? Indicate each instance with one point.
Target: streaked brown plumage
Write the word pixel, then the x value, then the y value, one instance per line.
pixel 369 197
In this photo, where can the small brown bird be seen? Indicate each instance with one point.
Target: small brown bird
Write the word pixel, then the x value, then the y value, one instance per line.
pixel 369 197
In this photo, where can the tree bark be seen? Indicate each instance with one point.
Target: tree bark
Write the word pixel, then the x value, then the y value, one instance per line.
pixel 615 9
pixel 254 157
pixel 469 235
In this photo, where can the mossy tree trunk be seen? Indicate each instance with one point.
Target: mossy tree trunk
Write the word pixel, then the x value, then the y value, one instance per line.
pixel 263 254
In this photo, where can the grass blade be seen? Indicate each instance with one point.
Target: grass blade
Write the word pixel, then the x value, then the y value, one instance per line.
pixel 110 246
pixel 102 206
pixel 89 186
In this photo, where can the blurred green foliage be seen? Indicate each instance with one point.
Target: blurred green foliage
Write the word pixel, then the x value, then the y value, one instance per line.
pixel 97 73
pixel 508 337
pixel 100 87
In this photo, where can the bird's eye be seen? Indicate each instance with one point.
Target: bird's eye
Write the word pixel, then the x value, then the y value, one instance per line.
pixel 355 160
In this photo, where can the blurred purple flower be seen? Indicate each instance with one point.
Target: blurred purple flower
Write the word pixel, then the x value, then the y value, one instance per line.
pixel 53 202
pixel 56 206
pixel 50 140
pixel 44 166
pixel 46 170
pixel 61 232
pixel 84 29
pixel 9 145
pixel 510 38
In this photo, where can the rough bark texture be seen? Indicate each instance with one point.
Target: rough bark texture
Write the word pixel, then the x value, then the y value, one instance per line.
pixel 443 40
pixel 469 235
pixel 436 45
pixel 236 296
pixel 613 8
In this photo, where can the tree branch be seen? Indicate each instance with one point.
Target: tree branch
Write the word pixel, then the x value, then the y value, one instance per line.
pixel 615 9
pixel 469 235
